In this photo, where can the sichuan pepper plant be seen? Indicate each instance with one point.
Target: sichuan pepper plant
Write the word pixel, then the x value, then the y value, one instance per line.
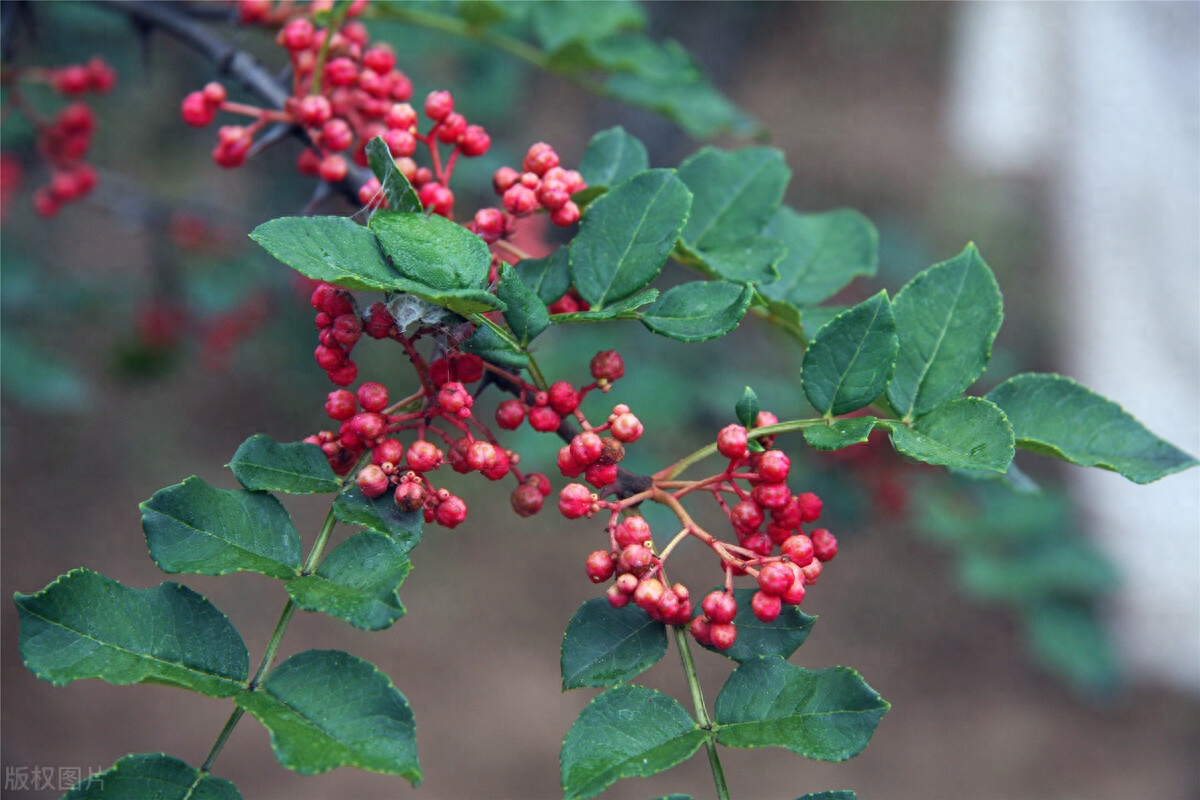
pixel 460 309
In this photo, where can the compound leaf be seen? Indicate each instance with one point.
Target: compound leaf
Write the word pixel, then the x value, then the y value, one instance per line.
pixel 379 514
pixel 263 464
pixel 626 235
pixel 1058 417
pixel 86 625
pixel 604 645
pixel 967 433
pixel 193 527
pixel 333 249
pixel 327 709
pixel 946 320
pixel 781 637
pixel 824 253
pixel 699 310
pixel 153 776
pixel 356 582
pixel 626 732
pixel 852 358
pixel 827 715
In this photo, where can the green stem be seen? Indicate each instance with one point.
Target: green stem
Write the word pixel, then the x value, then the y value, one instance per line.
pixel 682 464
pixel 535 371
pixel 710 744
pixel 268 658
pixel 335 22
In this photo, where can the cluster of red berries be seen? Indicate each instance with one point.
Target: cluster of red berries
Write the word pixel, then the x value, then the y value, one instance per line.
pixel 766 516
pixel 65 139
pixel 346 92
pixel 541 185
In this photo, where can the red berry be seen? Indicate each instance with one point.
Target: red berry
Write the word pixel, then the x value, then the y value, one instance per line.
pixel 773 466
pixel 772 495
pixel 379 58
pixel 101 77
pixel 367 426
pixel 77 118
pixel 450 512
pixel 825 545
pixel 811 572
pixel 719 606
pixel 519 200
pixel 500 466
pixel 563 397
pixel 345 374
pixel 481 455
pixel 341 71
pixel 388 451
pixel 437 198
pixel 489 224
pixel 373 396
pixel 607 365
pixel 586 447
pixel 372 480
pixel 575 501
pixel 758 542
pixel 424 455
pixel 766 607
pixel 341 404
pixel 333 168
pixel 438 105
pixel 474 141
pixel 410 495
pixel 378 323
pixel 775 578
pixel 599 566
pixel 468 368
pixel 626 582
pixel 789 515
pixel 297 34
pixel 647 594
pixel 565 215
pixel 746 516
pixel 72 79
pixel 627 428
pixel 336 135
pixel 540 158
pixel 451 128
pixel 544 419
pixel 401 116
pixel 314 110
pixel 197 111
pixel 795 593
pixel 510 414
pixel 633 558
pixel 504 178
pixel 401 143
pixel 540 481
pixel 633 530
pixel 617 598
pixel 722 634
pixel 329 358
pixel 527 500
pixel 701 628
pixel 567 464
pixel 810 506
pixel 347 329
pixel 601 475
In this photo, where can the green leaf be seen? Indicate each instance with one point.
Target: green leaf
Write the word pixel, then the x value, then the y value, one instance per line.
pixel 611 157
pixel 327 709
pixel 357 582
pixel 622 309
pixel 1056 416
pixel 333 249
pixel 824 253
pixel 526 315
pixel 626 732
pixel 782 637
pixel 86 625
pixel 839 794
pixel 750 260
pixel 840 433
pixel 379 514
pixel 400 194
pixel 548 277
pixel 559 24
pixel 817 317
pixel 439 259
pixel 263 464
pixel 153 776
pixel 1071 639
pixel 946 318
pixel 626 235
pixel 827 715
pixel 490 346
pixel 699 310
pixel 968 433
pixel 747 408
pixel 734 194
pixel 192 527
pixel 852 358
pixel 605 645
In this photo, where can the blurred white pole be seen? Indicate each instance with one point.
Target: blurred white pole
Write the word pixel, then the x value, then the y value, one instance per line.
pixel 1102 101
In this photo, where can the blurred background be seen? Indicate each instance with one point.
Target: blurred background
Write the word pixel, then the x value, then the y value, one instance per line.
pixel 1031 645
